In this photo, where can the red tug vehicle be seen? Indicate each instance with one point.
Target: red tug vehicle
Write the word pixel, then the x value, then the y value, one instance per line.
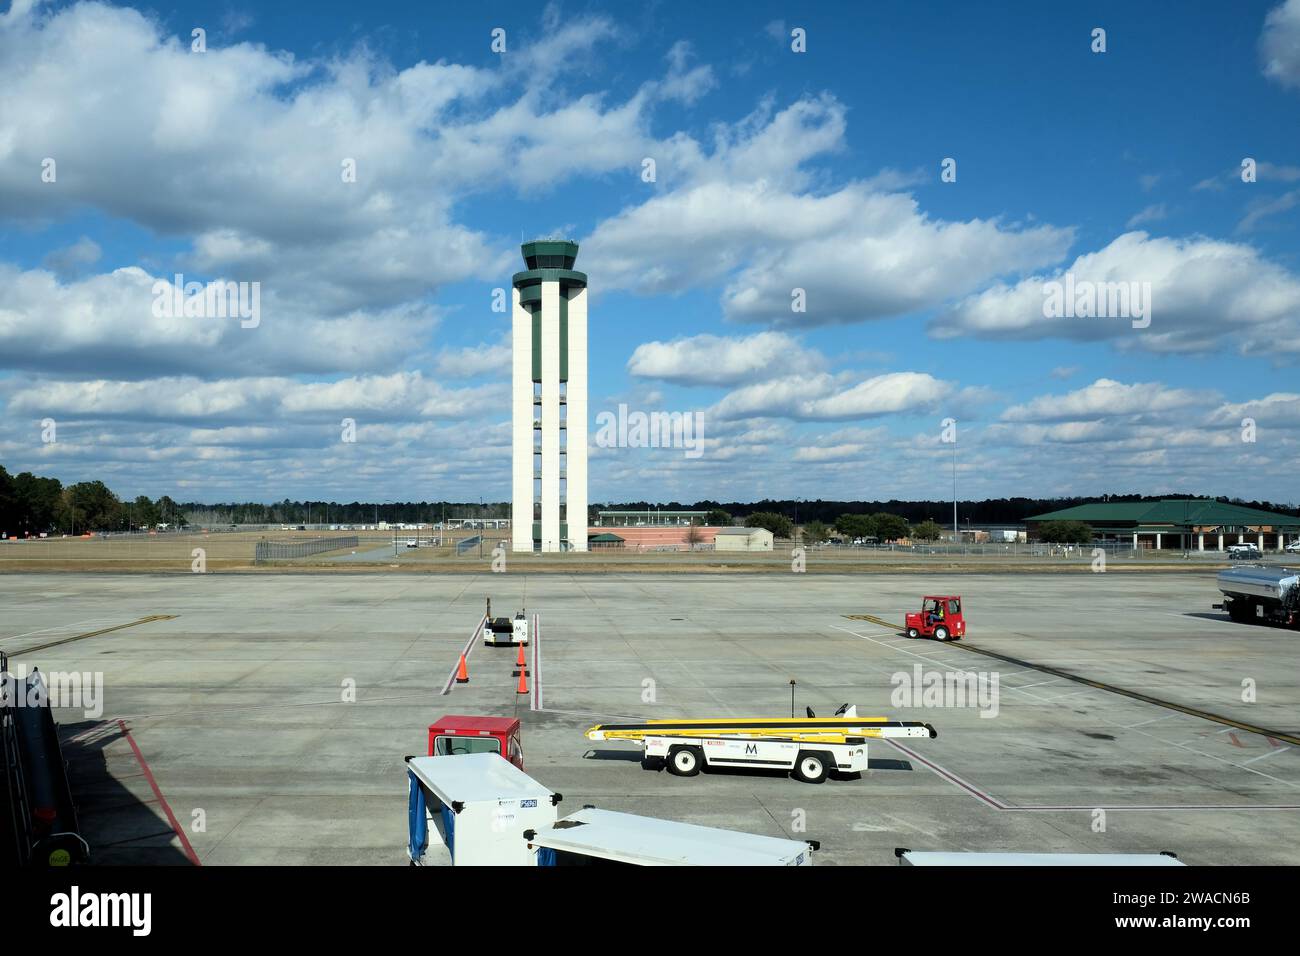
pixel 460 734
pixel 940 617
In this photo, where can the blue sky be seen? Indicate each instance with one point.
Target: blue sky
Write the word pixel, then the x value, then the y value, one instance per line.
pixel 775 170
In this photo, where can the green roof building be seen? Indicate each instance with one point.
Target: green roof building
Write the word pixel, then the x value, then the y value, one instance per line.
pixel 1200 524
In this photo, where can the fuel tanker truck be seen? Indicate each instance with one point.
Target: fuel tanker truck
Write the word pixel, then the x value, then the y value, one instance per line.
pixel 1261 595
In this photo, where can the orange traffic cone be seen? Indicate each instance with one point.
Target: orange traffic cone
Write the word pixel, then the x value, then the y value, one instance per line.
pixel 462 672
pixel 520 664
pixel 523 683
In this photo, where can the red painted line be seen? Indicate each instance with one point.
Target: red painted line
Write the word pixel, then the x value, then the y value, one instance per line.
pixel 974 791
pixel 162 801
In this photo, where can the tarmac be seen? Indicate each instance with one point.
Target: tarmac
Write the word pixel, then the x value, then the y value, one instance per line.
pixel 267 719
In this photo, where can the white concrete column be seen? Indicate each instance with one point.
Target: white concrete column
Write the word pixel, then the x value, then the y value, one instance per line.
pixel 1157 540
pixel 1135 540
pixel 1261 544
pixel 576 485
pixel 1200 541
pixel 1220 542
pixel 551 416
pixel 521 485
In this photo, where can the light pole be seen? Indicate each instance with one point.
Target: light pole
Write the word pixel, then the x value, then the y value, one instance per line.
pixel 955 531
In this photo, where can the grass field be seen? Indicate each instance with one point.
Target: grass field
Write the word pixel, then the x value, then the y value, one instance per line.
pixel 234 551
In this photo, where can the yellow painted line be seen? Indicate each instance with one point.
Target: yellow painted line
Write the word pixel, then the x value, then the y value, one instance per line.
pixel 874 620
pixel 81 637
pixel 1109 688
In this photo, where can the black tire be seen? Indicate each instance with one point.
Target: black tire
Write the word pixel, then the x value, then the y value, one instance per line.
pixel 941 633
pixel 812 766
pixel 652 763
pixel 685 761
pixel 913 632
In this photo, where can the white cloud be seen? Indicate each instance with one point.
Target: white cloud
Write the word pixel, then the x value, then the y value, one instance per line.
pixel 684 83
pixel 820 453
pixel 491 360
pixel 1279 409
pixel 246 146
pixel 70 261
pixel 857 254
pixel 1152 213
pixel 106 325
pixel 1265 172
pixel 1205 294
pixel 1279 44
pixel 402 396
pixel 1106 398
pixel 826 397
pixel 1261 210
pixel 716 360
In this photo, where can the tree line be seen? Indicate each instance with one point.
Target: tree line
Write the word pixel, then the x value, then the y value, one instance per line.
pixel 881 526
pixel 976 512
pixel 32 505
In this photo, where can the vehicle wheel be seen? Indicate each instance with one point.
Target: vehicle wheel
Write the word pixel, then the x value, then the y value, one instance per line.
pixel 811 767
pixel 684 761
pixel 913 632
pixel 941 633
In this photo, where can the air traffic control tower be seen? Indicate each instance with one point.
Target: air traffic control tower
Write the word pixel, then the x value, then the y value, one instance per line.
pixel 549 489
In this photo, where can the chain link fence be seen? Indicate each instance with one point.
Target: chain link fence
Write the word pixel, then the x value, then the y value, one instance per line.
pixel 284 550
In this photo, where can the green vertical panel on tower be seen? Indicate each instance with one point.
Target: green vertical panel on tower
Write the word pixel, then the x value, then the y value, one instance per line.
pixel 564 334
pixel 537 342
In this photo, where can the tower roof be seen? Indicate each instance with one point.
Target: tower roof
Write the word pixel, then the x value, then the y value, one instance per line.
pixel 550 253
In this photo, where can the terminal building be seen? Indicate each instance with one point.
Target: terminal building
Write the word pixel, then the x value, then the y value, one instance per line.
pixel 652 517
pixel 1184 524
pixel 549 401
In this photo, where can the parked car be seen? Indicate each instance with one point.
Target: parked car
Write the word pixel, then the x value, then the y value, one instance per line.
pixel 1244 552
pixel 1293 547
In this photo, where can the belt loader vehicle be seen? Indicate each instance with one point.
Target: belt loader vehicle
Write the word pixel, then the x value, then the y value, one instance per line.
pixel 810 748
pixel 1261 595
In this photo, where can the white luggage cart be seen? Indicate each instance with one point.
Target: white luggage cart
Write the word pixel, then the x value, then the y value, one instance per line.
pixel 603 837
pixel 470 809
pixel 908 857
